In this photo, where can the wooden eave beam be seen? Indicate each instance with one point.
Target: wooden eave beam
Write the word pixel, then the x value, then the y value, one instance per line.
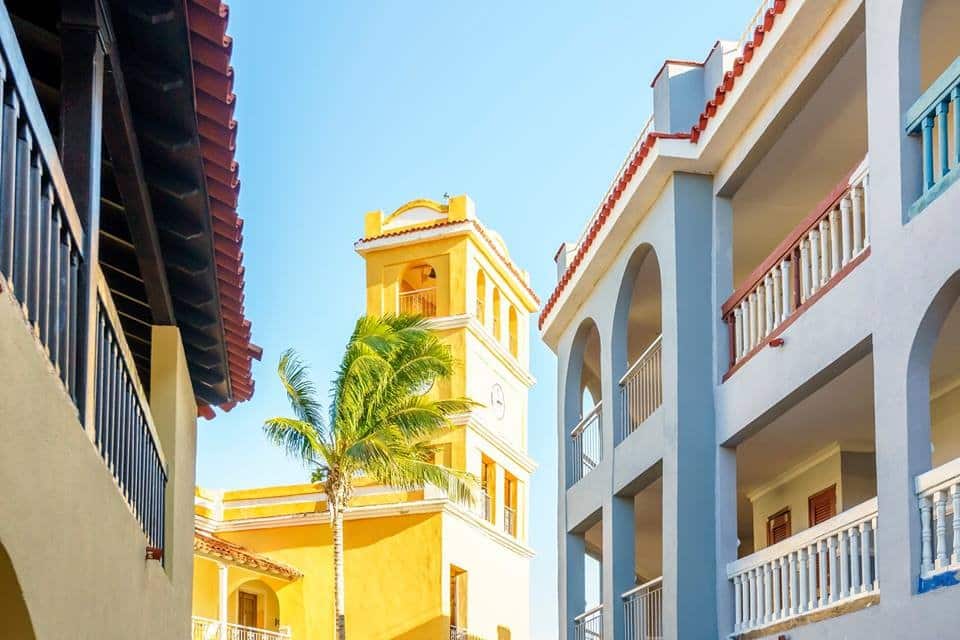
pixel 120 137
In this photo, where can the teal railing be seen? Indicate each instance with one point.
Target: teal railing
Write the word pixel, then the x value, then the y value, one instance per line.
pixel 935 118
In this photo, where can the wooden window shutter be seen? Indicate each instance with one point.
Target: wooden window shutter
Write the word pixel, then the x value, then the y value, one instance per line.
pixel 823 505
pixel 778 527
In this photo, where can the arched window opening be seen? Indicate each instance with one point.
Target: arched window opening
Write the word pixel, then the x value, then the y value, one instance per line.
pixel 512 327
pixel 16 619
pixel 257 608
pixel 637 341
pixel 418 290
pixel 583 402
pixel 496 314
pixel 481 297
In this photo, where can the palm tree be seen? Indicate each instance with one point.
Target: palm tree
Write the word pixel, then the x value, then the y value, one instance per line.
pixel 380 423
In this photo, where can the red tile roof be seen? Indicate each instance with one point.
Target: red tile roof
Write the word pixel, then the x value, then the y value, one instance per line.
pixel 211 48
pixel 208 545
pixel 521 278
pixel 601 216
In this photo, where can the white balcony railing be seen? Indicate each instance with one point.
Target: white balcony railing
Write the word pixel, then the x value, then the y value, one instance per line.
pixel 586 443
pixel 643 611
pixel 510 521
pixel 641 389
pixel 819 251
pixel 938 494
pixel 589 624
pixel 830 564
pixel 421 302
pixel 207 629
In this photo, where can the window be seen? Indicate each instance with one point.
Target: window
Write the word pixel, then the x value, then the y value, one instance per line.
pixel 510 505
pixel 778 527
pixel 822 505
pixel 481 297
pixel 512 328
pixel 458 599
pixel 496 313
pixel 488 486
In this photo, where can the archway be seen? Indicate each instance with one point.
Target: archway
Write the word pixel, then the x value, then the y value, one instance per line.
pixel 13 609
pixel 254 604
pixel 636 349
pixel 583 398
pixel 418 290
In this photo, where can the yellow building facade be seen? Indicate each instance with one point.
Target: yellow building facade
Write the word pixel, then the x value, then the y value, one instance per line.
pixel 418 565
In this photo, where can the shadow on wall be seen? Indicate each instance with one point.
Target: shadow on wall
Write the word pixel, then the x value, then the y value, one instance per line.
pixel 14 615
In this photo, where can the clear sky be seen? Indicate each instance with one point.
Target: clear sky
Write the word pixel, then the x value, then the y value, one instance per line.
pixel 346 107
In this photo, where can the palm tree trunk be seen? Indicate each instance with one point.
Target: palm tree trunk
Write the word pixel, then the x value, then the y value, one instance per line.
pixel 338 581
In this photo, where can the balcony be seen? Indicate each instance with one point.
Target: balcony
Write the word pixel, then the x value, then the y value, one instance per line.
pixel 827 566
pixel 586 440
pixel 641 389
pixel 589 624
pixel 421 302
pixel 826 246
pixel 45 265
pixel 938 497
pixel 207 629
pixel 643 611
pixel 934 118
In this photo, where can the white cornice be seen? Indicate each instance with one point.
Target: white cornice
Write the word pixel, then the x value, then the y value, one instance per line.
pixel 431 505
pixel 413 236
pixel 469 322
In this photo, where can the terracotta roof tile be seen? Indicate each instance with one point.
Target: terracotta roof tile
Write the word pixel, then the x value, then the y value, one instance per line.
pixel 211 49
pixel 206 544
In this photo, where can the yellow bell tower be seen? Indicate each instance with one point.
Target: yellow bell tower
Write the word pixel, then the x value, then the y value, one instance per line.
pixel 440 261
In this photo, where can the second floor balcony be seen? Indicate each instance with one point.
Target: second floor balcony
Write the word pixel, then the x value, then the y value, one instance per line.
pixel 421 302
pixel 207 629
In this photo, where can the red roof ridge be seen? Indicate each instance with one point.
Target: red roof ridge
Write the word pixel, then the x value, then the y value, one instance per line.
pixel 709 111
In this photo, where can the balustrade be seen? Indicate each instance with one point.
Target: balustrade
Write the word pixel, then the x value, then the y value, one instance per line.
pixel 815 255
pixel 827 565
pixel 643 611
pixel 935 118
pixel 207 629
pixel 421 302
pixel 510 520
pixel 589 624
pixel 586 443
pixel 641 389
pixel 938 496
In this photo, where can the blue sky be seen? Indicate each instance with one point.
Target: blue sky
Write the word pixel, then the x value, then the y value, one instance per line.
pixel 353 106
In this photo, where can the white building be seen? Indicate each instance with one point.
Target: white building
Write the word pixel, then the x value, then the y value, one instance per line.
pixel 758 339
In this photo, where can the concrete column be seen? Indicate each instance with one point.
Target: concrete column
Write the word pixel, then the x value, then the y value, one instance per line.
pixel 222 592
pixel 618 563
pixel 174 413
pixel 690 457
pixel 573 598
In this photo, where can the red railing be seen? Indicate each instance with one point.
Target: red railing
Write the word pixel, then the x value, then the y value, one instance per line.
pixel 819 252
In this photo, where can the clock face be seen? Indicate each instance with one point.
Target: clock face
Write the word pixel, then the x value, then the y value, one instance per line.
pixel 497 403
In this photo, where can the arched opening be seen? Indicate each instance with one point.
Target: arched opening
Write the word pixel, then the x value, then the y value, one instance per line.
pixel 481 297
pixel 13 609
pixel 418 290
pixel 496 315
pixel 512 329
pixel 254 605
pixel 636 348
pixel 583 402
pixel 935 373
pixel 930 66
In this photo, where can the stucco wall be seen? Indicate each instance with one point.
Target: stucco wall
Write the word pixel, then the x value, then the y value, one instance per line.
pixel 945 427
pixel 76 548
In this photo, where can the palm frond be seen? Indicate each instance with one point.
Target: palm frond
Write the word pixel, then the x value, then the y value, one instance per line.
pixel 301 393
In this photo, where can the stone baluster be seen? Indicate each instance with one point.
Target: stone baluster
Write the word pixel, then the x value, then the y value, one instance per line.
pixel 756 592
pixel 865 556
pixel 926 536
pixel 955 494
pixel 769 313
pixel 738 331
pixel 844 541
pixel 737 602
pixel 824 252
pixel 846 229
pixel 767 609
pixel 856 197
pixel 775 570
pixel 812 570
pixel 876 553
pixel 815 262
pixel 834 572
pixel 940 520
pixel 804 270
pixel 822 583
pixel 855 579
pixel 786 290
pixel 864 186
pixel 785 586
pixel 835 256
pixel 778 301
pixel 802 594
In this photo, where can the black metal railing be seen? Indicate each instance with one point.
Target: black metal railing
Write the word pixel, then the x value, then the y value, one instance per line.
pixel 124 433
